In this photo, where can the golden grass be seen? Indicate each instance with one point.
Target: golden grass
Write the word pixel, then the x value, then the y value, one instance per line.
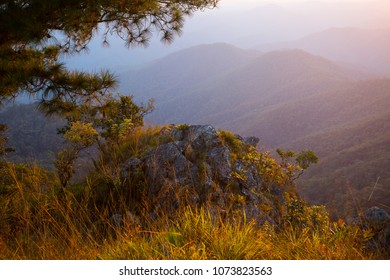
pixel 38 220
pixel 42 224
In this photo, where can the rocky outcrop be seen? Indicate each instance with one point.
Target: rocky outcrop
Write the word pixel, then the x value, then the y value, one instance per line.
pixel 377 221
pixel 196 161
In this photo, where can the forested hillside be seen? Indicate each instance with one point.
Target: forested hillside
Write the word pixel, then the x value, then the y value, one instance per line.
pixel 33 136
pixel 258 82
pixel 213 152
pixel 184 71
pixel 289 99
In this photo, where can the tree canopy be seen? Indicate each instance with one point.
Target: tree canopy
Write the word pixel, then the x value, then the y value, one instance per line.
pixel 34 33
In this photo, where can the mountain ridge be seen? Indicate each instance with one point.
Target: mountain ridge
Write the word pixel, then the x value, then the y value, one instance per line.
pixel 182 67
pixel 294 100
pixel 366 48
pixel 256 81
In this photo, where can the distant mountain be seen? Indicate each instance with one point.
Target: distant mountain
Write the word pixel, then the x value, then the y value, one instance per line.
pixel 271 81
pixel 289 99
pixel 185 70
pixel 32 134
pixel 246 25
pixel 349 129
pixel 189 85
pixel 369 49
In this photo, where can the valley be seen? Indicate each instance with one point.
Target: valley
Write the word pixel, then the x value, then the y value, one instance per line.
pixel 290 99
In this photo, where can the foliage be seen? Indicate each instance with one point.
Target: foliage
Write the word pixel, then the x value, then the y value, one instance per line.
pixel 107 179
pixel 46 228
pixel 38 221
pixel 63 163
pixel 302 216
pixel 283 173
pixel 302 161
pixel 111 119
pixel 121 117
pixel 232 141
pixel 33 21
pixel 80 136
pixel 35 223
pixel 36 32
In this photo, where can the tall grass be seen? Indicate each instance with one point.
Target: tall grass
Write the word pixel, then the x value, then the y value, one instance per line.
pixel 39 220
pixel 43 223
pixel 198 235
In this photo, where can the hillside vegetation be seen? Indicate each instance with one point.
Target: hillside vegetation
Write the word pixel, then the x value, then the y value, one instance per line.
pixel 170 173
pixel 248 86
pixel 118 190
pixel 33 136
pixel 112 216
pixel 289 99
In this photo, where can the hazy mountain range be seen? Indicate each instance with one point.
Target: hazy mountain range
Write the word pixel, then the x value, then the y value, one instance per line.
pixel 367 49
pixel 246 26
pixel 287 98
pixel 190 85
pixel 310 75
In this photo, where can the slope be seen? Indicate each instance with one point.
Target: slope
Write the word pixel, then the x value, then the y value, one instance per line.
pixel 268 80
pixel 184 70
pixel 291 99
pixel 369 49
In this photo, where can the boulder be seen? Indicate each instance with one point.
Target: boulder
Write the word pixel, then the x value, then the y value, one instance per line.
pixel 375 218
pixel 253 141
pixel 378 221
pixel 195 161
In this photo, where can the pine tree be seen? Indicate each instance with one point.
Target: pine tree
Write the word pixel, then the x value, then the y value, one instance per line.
pixel 34 33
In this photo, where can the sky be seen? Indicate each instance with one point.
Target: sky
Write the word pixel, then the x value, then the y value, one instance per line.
pixel 243 23
pixel 241 2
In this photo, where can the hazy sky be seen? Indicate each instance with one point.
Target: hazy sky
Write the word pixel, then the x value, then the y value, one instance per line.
pixel 242 3
pixel 263 24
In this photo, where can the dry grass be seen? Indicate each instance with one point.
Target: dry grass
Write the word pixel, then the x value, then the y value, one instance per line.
pixel 39 221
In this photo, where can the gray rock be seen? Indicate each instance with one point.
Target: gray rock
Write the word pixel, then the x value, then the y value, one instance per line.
pixel 132 218
pixel 251 177
pixel 197 162
pixel 375 218
pixel 253 141
pixel 116 220
pixel 218 159
pixel 132 164
pixel 278 193
pixel 378 221
pixel 202 137
pixel 167 164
